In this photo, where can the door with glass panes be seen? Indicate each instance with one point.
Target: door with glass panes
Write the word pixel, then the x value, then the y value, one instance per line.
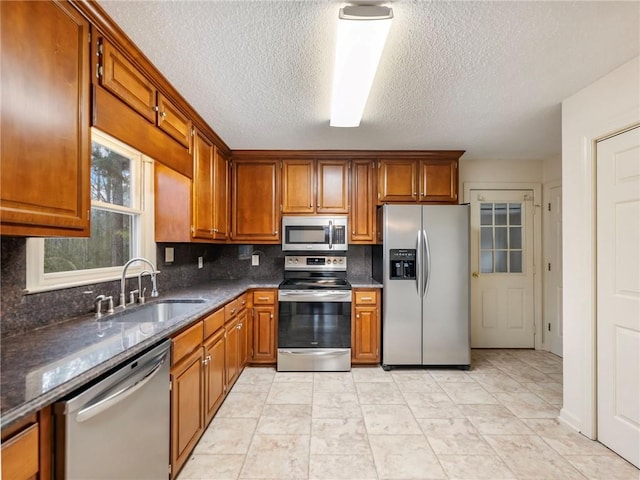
pixel 502 295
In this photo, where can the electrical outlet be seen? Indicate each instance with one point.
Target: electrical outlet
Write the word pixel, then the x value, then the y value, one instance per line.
pixel 255 260
pixel 168 255
pixel 200 262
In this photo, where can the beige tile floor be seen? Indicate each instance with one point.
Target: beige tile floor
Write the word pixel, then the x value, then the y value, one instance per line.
pixel 495 421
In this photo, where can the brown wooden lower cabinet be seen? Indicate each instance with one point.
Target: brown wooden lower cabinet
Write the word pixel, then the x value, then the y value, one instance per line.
pixel 265 321
pixel 207 358
pixel 365 327
pixel 27 448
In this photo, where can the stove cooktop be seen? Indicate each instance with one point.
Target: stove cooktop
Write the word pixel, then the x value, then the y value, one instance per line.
pixel 315 283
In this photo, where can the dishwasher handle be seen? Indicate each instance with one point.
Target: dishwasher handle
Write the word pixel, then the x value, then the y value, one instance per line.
pixel 120 394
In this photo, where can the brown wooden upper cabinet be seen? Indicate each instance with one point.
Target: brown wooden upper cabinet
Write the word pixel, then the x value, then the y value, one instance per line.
pixel 123 79
pixel 408 180
pixel 45 137
pixel 315 186
pixel 255 200
pixel 210 204
pixel 362 214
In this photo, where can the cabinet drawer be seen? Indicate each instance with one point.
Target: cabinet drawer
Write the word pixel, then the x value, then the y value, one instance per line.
pixel 264 297
pixel 187 342
pixel 242 301
pixel 367 297
pixel 213 322
pixel 231 309
pixel 20 455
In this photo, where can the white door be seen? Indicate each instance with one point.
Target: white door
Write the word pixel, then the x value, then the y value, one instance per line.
pixel 552 327
pixel 502 300
pixel 618 293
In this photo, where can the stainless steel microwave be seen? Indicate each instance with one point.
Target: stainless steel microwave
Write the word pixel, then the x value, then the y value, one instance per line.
pixel 314 233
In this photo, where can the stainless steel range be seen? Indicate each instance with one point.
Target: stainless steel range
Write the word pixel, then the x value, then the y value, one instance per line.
pixel 314 321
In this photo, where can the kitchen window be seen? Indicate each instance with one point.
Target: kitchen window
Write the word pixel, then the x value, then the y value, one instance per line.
pixel 121 223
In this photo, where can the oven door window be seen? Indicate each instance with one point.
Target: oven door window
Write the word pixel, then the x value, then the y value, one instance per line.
pixel 314 325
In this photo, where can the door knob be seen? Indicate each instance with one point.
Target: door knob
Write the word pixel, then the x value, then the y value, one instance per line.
pixel 475 275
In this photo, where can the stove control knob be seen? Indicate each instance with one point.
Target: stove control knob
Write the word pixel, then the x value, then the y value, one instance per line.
pixel 335 261
pixel 342 260
pixel 296 260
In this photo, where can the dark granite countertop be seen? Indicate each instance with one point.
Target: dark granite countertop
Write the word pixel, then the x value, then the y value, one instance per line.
pixel 364 282
pixel 42 366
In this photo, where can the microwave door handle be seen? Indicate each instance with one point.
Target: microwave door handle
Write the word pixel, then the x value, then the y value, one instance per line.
pixel 330 235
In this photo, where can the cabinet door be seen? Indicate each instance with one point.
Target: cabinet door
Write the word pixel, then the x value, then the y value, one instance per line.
pixel 202 204
pixel 366 343
pixel 172 121
pixel 187 422
pixel 333 186
pixel 172 205
pixel 362 215
pixel 220 196
pixel 125 81
pixel 439 181
pixel 256 201
pixel 215 385
pixel 397 180
pixel 231 352
pixel 20 455
pixel 264 334
pixel 298 186
pixel 45 137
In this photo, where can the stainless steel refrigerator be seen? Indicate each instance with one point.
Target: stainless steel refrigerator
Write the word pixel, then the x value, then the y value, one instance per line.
pixel 424 267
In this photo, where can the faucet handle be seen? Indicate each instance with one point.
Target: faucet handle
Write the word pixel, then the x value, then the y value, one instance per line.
pixel 132 295
pixel 110 304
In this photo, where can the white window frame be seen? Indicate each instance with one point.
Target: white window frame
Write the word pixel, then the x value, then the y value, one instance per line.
pixel 142 200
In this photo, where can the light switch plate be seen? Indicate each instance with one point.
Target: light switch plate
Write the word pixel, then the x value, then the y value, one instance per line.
pixel 255 259
pixel 200 262
pixel 168 255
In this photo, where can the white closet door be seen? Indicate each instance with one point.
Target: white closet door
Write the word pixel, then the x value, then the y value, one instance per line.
pixel 618 297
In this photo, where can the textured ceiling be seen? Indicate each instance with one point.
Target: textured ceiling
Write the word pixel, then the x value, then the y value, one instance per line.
pixel 485 77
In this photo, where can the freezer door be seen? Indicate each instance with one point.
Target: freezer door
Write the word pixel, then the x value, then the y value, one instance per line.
pixel 445 305
pixel 401 318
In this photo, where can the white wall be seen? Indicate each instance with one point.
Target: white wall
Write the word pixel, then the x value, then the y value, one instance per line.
pixel 552 170
pixel 529 171
pixel 606 106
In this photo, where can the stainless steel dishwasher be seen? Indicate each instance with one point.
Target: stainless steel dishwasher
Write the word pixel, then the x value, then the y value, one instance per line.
pixel 119 427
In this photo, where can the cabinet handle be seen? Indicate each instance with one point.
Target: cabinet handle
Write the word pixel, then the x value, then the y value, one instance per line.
pixel 263 299
pixel 366 299
pixel 163 114
pixel 233 310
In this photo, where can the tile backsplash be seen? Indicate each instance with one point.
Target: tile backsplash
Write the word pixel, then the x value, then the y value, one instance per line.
pixel 21 312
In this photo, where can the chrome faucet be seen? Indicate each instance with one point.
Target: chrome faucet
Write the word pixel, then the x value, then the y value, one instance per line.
pixel 98 303
pixel 154 291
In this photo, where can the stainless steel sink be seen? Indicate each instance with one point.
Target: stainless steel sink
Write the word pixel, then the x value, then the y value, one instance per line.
pixel 160 311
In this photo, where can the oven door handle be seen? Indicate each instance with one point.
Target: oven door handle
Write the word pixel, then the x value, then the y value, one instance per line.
pixel 313 296
pixel 315 353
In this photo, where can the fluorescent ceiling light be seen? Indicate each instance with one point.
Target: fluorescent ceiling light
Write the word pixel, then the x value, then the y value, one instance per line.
pixel 362 33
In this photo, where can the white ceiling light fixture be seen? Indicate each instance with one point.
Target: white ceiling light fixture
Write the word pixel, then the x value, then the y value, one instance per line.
pixel 362 33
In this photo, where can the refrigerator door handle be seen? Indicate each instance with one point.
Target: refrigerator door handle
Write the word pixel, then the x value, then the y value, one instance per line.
pixel 419 263
pixel 427 264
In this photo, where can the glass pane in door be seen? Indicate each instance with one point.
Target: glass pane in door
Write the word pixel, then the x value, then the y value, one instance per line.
pixel 501 247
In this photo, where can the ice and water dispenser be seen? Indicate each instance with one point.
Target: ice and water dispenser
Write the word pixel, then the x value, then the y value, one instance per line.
pixel 402 264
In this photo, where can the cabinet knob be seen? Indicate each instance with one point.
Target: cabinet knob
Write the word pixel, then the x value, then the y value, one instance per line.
pixel 276 232
pixel 422 194
pixel 358 315
pixel 163 114
pixel 271 316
